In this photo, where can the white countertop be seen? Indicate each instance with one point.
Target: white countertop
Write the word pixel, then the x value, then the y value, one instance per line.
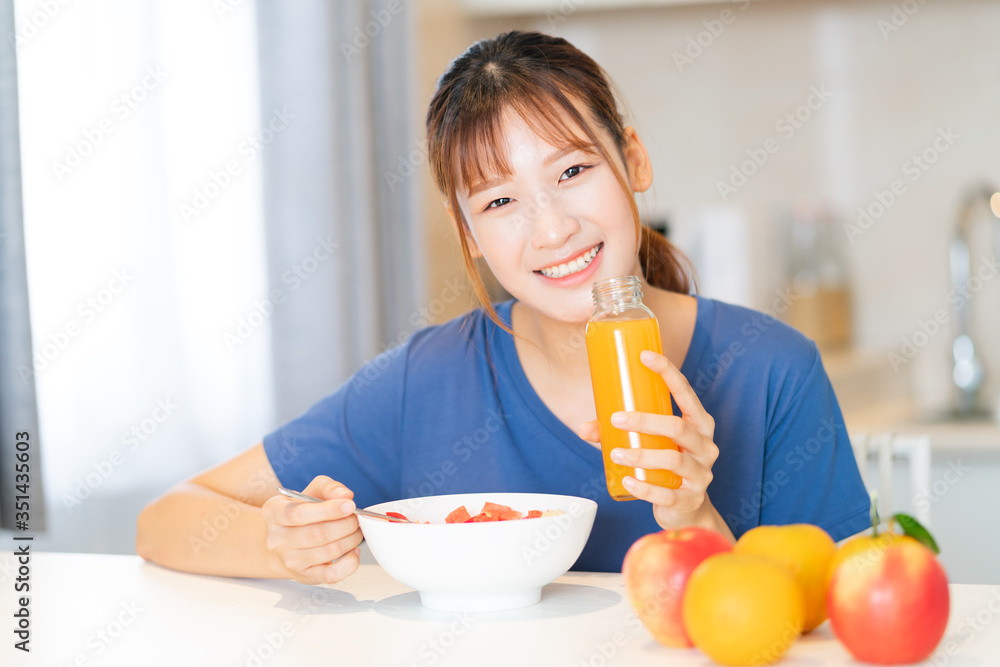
pixel 974 437
pixel 876 399
pixel 118 610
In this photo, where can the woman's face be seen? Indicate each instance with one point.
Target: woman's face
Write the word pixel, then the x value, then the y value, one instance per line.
pixel 559 223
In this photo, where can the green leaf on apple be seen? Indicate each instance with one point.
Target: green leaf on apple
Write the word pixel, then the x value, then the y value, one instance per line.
pixel 913 528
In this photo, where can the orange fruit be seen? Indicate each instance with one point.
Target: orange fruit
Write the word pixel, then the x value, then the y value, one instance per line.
pixel 807 551
pixel 742 609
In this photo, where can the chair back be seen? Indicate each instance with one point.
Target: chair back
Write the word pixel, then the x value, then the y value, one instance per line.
pixel 887 448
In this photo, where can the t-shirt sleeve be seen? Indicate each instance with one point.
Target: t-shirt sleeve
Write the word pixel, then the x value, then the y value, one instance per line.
pixel 810 473
pixel 352 435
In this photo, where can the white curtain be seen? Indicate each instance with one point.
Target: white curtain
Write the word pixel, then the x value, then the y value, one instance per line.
pixel 218 228
pixel 342 175
pixel 145 239
pixel 21 475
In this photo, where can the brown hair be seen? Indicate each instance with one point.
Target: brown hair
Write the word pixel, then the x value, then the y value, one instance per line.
pixel 537 76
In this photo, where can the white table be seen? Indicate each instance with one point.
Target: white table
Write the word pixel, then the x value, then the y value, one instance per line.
pixel 118 610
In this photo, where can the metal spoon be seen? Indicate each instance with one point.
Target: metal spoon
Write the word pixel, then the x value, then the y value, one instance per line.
pixel 301 496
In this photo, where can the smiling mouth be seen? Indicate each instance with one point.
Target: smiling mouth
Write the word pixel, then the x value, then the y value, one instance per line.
pixel 575 266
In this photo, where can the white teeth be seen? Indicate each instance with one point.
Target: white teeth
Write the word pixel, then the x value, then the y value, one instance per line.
pixel 578 264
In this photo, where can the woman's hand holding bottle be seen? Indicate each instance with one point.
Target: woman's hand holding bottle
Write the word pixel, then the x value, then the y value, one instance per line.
pixel 688 505
pixel 314 543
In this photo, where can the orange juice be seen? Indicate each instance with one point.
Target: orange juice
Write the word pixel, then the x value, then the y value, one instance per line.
pixel 622 382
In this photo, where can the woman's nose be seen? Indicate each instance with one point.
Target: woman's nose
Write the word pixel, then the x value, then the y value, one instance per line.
pixel 550 224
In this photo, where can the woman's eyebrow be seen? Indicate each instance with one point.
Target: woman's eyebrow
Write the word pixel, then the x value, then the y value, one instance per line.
pixel 473 191
pixel 559 154
pixel 555 156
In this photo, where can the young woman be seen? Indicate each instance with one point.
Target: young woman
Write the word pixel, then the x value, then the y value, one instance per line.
pixel 538 172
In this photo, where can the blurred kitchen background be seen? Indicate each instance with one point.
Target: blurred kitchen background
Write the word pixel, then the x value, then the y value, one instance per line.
pixel 256 217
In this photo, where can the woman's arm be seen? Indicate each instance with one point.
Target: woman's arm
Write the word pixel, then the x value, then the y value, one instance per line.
pixel 229 521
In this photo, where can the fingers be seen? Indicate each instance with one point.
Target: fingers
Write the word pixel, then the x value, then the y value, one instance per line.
pixel 683 433
pixel 314 542
pixel 681 390
pixel 325 488
pixel 337 504
pixel 696 477
pixel 301 513
pixel 670 426
pixel 675 500
pixel 321 533
pixel 688 498
pixel 302 560
pixel 590 431
pixel 331 573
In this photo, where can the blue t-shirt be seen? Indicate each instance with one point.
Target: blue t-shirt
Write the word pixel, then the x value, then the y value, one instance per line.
pixel 451 411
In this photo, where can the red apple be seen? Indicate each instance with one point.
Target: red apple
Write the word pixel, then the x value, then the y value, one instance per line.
pixel 656 571
pixel 888 601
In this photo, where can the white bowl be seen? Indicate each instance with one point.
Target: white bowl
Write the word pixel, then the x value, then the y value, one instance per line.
pixel 488 566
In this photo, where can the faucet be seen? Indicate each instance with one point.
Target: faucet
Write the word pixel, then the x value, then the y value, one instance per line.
pixel 967 371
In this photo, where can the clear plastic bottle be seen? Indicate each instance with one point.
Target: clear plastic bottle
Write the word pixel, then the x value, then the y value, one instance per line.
pixel 619 330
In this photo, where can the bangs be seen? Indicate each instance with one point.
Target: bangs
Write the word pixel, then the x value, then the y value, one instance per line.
pixel 479 149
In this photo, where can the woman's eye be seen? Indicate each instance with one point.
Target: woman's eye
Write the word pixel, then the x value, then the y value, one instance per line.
pixel 497 203
pixel 572 171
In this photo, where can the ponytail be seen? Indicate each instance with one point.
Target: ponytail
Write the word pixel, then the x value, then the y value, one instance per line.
pixel 663 265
